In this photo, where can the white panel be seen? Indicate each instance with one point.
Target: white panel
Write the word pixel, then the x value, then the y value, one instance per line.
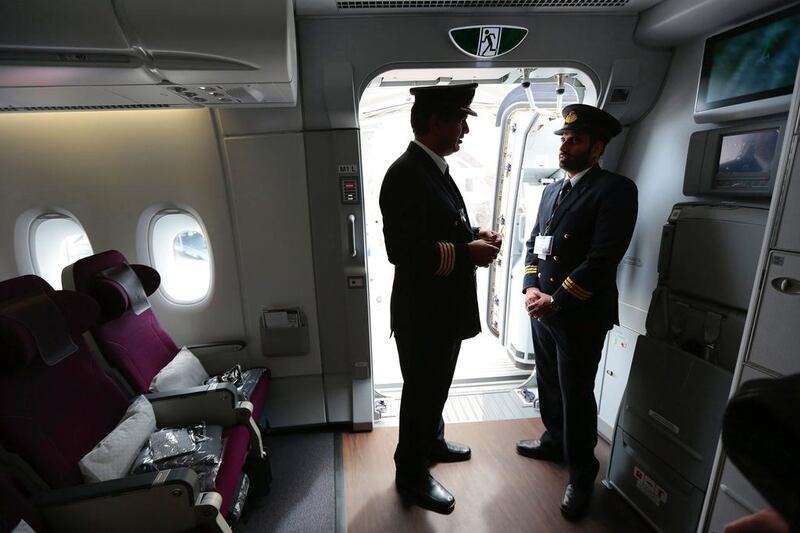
pixel 789 215
pixel 106 168
pixel 90 24
pixel 655 157
pixel 774 345
pixel 270 207
pixel 619 355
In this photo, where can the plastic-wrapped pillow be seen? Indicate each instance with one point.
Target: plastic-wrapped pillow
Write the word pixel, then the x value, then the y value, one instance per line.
pixel 114 455
pixel 184 371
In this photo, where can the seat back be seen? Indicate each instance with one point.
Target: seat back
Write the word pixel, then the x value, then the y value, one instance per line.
pixel 51 413
pixel 128 334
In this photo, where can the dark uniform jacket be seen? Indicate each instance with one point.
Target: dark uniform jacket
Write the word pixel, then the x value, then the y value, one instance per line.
pixel 426 229
pixel 591 229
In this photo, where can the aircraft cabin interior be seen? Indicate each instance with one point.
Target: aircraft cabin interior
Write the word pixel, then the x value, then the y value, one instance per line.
pixel 196 293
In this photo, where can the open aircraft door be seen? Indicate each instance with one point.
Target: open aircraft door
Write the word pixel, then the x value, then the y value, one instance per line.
pixel 527 162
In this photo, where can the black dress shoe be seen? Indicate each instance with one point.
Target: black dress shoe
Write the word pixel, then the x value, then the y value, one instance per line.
pixel 543 451
pixel 576 500
pixel 450 452
pixel 427 493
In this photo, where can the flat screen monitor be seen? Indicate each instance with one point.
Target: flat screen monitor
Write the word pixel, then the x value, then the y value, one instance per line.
pixel 746 157
pixel 735 161
pixel 756 61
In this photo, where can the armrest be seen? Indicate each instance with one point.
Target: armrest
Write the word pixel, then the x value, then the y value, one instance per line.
pixel 238 345
pixel 215 403
pixel 177 477
pixel 157 502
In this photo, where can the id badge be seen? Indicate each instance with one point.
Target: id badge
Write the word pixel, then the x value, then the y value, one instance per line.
pixel 542 245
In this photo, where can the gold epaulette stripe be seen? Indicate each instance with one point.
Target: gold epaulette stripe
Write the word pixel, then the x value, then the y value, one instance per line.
pixel 531 269
pixel 447 259
pixel 441 254
pixel 576 290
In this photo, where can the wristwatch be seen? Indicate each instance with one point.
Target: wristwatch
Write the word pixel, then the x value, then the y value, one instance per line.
pixel 553 305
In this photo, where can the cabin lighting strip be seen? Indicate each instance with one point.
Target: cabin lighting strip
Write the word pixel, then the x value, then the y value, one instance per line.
pixel 438 4
pixel 82 107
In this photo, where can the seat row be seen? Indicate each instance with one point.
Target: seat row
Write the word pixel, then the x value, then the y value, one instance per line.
pixel 106 424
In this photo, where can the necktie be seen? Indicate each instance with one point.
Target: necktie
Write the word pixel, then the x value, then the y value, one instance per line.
pixel 563 193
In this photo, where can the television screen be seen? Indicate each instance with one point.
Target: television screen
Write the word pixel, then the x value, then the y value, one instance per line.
pixel 747 155
pixel 755 61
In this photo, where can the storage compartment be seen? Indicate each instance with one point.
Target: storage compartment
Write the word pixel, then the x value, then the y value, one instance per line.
pixel 234 53
pixel 788 238
pixel 715 252
pixel 708 331
pixel 667 500
pixel 673 405
pixel 774 345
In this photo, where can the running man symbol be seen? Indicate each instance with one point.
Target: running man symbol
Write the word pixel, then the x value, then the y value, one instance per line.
pixel 490 38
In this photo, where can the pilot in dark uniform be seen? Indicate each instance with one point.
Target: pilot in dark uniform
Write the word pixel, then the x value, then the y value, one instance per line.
pixel 435 249
pixel 583 228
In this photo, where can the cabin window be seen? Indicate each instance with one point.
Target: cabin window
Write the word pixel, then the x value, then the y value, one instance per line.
pixel 180 251
pixel 56 241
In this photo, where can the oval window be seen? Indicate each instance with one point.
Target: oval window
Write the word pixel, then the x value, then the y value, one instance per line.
pixel 57 240
pixel 179 251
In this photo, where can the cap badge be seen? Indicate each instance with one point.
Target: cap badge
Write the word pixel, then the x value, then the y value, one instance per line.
pixel 571 117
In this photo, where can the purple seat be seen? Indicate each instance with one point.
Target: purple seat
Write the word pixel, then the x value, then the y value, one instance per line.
pixel 53 412
pixel 134 344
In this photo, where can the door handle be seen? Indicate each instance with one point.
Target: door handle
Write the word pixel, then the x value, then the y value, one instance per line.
pixel 351 234
pixel 786 285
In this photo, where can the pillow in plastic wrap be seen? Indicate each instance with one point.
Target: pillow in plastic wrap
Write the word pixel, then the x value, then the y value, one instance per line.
pixel 204 459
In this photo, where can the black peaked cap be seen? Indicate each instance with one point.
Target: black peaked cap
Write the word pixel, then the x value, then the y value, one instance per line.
pixel 446 97
pixel 589 118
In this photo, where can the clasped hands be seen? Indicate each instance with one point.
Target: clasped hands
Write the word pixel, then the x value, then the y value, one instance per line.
pixel 484 249
pixel 538 304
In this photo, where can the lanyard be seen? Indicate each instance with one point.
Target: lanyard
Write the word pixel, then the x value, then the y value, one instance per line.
pixel 555 208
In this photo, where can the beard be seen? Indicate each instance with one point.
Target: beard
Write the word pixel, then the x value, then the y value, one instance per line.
pixel 574 162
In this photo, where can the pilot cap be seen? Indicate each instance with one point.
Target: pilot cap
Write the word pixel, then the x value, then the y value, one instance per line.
pixel 582 117
pixel 446 97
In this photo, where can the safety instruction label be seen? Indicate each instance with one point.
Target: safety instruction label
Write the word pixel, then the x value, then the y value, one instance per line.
pixel 649 488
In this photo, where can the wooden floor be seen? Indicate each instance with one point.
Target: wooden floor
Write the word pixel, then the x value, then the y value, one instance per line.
pixel 496 491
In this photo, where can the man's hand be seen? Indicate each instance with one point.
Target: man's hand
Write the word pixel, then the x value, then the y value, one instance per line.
pixel 481 252
pixel 492 237
pixel 538 304
pixel 765 521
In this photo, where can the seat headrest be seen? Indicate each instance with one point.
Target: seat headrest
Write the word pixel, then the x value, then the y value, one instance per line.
pixel 114 283
pixel 124 287
pixel 35 319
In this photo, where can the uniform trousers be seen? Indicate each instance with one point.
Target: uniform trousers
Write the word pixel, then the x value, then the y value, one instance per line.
pixel 567 356
pixel 427 364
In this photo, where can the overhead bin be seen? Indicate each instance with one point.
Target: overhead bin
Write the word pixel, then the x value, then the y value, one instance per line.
pixel 237 53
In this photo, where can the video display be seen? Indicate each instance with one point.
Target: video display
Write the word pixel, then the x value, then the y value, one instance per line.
pixel 748 154
pixel 756 61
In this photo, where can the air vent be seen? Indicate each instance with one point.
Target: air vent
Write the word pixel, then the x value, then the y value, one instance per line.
pixel 76 58
pixel 13 109
pixel 440 4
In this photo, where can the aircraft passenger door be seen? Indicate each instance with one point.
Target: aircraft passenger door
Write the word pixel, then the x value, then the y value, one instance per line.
pixel 528 162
